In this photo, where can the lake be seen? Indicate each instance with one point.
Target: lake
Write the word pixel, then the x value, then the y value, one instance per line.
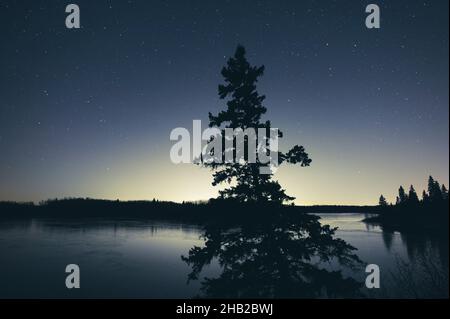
pixel 139 258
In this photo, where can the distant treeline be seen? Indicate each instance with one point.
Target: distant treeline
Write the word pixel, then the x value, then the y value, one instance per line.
pixel 328 209
pixel 187 211
pixel 88 207
pixel 435 194
pixel 408 210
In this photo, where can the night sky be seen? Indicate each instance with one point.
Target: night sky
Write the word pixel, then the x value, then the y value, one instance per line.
pixel 88 112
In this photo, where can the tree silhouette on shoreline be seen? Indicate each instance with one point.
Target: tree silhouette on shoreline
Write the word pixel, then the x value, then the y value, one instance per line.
pixel 429 212
pixel 276 252
pixel 382 201
pixel 435 194
pixel 244 110
pixel 403 198
pixel 412 196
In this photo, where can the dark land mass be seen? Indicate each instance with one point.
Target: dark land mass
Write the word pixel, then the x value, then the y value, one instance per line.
pixel 422 216
pixel 409 213
pixel 425 217
pixel 183 212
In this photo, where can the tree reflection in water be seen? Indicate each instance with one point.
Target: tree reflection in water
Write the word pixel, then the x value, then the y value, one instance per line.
pixel 278 255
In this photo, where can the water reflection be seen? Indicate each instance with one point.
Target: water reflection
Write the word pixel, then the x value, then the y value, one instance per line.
pixel 133 258
pixel 388 237
pixel 424 271
pixel 281 255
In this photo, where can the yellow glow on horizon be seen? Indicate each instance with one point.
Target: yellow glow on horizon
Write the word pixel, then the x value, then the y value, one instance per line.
pixel 330 180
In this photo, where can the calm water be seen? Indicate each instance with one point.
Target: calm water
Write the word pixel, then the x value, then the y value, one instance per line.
pixel 138 258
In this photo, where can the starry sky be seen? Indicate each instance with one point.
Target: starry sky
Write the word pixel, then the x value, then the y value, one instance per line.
pixel 88 112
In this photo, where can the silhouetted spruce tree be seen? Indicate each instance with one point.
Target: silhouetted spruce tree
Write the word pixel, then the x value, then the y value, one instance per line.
pixel 444 192
pixel 382 202
pixel 244 110
pixel 412 196
pixel 403 198
pixel 434 190
pixel 438 191
pixel 430 186
pixel 424 197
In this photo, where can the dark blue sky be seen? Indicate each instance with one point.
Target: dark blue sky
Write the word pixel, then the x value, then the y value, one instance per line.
pixel 88 112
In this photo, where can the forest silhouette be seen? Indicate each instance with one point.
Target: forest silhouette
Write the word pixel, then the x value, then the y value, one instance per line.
pixel 408 211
